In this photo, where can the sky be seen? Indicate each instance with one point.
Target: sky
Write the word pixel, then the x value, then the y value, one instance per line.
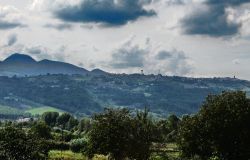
pixel 194 38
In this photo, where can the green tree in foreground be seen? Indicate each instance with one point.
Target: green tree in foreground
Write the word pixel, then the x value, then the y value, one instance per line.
pixel 41 130
pixel 220 129
pixel 142 135
pixel 15 144
pixel 50 118
pixel 119 134
pixel 110 134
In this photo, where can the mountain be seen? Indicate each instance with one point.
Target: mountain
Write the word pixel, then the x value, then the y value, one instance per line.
pixel 90 93
pixel 98 72
pixel 24 65
pixel 81 92
pixel 19 58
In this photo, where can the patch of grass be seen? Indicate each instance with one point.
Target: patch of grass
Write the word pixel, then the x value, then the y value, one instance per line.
pixel 65 155
pixel 168 151
pixel 41 110
pixel 68 155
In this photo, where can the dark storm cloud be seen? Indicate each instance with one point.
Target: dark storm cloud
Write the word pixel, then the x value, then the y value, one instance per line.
pixel 60 27
pixel 109 12
pixel 213 20
pixel 4 25
pixel 227 2
pixel 12 39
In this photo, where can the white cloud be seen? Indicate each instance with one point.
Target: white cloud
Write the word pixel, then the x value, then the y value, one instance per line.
pixel 151 58
pixel 236 61
pixel 10 17
pixel 213 56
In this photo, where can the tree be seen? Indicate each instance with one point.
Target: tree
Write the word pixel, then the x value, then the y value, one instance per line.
pixel 84 125
pixel 71 123
pixel 167 128
pixel 63 119
pixel 121 135
pixel 173 122
pixel 110 134
pixel 15 144
pixel 41 130
pixel 50 118
pixel 220 129
pixel 142 136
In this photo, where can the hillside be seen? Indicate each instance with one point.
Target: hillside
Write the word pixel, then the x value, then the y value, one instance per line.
pixel 24 65
pixel 87 94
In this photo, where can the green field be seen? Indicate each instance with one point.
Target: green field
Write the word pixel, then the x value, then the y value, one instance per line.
pixel 41 110
pixel 68 155
pixel 168 151
pixel 6 110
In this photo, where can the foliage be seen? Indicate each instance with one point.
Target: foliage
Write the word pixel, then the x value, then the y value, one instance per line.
pixel 41 130
pixel 78 145
pixel 65 155
pixel 50 118
pixel 17 145
pixel 220 130
pixel 72 123
pixel 69 155
pixel 168 129
pixel 142 136
pixel 84 95
pixel 118 134
pixel 84 125
pixel 57 145
pixel 63 119
pixel 110 133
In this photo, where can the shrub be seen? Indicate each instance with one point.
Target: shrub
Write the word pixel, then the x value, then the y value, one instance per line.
pixel 78 145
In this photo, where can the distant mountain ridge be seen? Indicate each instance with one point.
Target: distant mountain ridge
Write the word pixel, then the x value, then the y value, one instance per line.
pixel 81 92
pixel 24 65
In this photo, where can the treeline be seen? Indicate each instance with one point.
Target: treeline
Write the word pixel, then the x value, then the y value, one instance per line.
pixel 219 131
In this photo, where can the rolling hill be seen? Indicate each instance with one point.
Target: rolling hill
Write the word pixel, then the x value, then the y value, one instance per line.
pixel 24 65
pixel 90 91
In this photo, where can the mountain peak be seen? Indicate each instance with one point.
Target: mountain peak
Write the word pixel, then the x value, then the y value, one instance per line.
pixel 25 65
pixel 98 72
pixel 17 57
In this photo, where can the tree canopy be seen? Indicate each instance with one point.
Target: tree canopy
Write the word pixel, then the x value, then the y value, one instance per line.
pixel 221 128
pixel 119 134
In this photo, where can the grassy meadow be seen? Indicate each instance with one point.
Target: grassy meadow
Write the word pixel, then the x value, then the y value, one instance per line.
pixel 41 110
pixel 69 155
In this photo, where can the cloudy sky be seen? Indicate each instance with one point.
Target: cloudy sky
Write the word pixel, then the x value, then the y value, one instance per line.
pixel 198 38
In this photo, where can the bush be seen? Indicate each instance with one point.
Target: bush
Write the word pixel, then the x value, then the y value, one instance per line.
pixel 57 145
pixel 78 145
pixel 41 130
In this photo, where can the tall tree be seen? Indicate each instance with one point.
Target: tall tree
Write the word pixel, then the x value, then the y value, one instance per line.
pixel 50 118
pixel 121 135
pixel 110 133
pixel 220 128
